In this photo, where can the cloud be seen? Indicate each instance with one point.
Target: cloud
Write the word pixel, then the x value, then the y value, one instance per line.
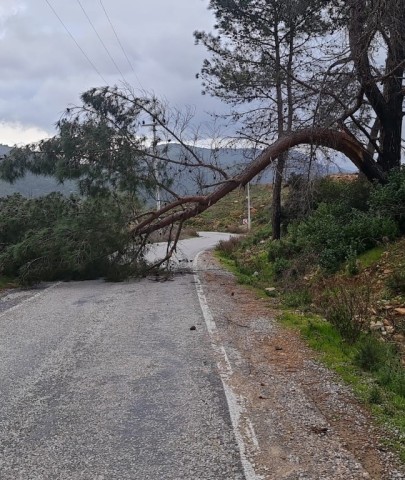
pixel 8 9
pixel 19 134
pixel 43 71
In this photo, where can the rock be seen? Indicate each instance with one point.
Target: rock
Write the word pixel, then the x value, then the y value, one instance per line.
pixel 376 326
pixel 319 430
pixel 399 310
pixel 270 289
pixel 399 337
pixel 255 274
pixel 387 323
pixel 390 329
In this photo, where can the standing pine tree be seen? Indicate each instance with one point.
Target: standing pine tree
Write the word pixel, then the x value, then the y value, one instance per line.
pixel 261 49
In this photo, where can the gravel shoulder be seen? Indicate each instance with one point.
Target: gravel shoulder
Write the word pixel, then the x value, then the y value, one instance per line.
pixel 308 425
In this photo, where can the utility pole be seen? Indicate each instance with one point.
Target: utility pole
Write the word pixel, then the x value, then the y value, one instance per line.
pixel 155 161
pixel 249 218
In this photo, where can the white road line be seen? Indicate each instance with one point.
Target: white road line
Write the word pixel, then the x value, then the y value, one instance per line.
pixel 30 299
pixel 237 410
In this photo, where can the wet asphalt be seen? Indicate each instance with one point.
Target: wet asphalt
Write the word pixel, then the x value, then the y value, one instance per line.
pixel 107 381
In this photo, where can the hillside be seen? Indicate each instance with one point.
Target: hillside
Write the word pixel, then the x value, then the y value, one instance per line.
pixel 338 277
pixel 184 180
pixel 33 185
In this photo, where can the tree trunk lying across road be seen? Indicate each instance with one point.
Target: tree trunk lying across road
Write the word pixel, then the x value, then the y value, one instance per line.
pixel 193 205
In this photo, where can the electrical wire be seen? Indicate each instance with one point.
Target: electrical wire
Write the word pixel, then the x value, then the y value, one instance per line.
pixel 77 43
pixel 120 43
pixel 101 41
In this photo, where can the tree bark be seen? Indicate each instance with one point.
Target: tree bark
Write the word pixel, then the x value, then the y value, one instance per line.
pixel 192 206
pixel 386 103
pixel 276 200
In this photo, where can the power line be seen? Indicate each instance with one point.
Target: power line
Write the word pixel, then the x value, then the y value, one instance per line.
pixel 120 43
pixel 101 41
pixel 116 36
pixel 76 42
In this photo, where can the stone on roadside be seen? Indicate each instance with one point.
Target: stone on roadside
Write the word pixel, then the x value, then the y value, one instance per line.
pixel 376 326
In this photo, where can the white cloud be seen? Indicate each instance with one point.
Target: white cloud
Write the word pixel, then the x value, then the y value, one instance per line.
pixel 17 134
pixel 8 9
pixel 43 71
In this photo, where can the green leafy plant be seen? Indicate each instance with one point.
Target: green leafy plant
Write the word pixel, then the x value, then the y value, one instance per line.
pixel 372 353
pixel 228 247
pixel 55 237
pixel 389 199
pixel 396 281
pixel 346 307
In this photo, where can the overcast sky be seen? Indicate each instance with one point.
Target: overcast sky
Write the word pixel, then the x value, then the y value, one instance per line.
pixel 43 70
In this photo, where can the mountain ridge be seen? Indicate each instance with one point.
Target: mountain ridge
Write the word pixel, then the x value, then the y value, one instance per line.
pixel 228 159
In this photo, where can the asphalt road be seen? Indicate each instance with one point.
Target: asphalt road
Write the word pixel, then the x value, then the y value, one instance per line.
pixel 107 381
pixel 187 250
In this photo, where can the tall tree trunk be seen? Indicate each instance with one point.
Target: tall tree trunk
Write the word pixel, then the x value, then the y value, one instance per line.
pixel 276 201
pixel 282 129
pixel 278 180
pixel 386 103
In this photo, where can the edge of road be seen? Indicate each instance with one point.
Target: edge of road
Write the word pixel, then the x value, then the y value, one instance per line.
pixel 241 424
pixel 29 299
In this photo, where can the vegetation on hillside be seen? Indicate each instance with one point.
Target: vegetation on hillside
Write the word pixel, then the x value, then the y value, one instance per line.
pixel 338 277
pixel 56 237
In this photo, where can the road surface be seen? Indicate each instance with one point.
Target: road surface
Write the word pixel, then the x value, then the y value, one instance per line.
pixel 108 381
pixel 187 250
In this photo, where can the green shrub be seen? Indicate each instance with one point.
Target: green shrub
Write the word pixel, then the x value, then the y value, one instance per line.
pixel 372 353
pixel 350 194
pixel 68 238
pixel 396 281
pixel 297 299
pixel 392 376
pixel 333 234
pixel 366 230
pixel 352 264
pixel 305 196
pixel 375 396
pixel 346 307
pixel 228 247
pixel 389 199
pixel 263 233
pixel 280 265
pixel 281 249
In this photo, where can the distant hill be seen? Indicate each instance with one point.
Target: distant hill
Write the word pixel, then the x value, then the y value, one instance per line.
pixel 184 179
pixel 33 185
pixel 234 160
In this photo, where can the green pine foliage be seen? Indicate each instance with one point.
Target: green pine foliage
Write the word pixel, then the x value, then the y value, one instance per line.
pixel 56 237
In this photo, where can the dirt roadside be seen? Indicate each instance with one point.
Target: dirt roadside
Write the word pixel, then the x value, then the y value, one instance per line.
pixel 308 425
